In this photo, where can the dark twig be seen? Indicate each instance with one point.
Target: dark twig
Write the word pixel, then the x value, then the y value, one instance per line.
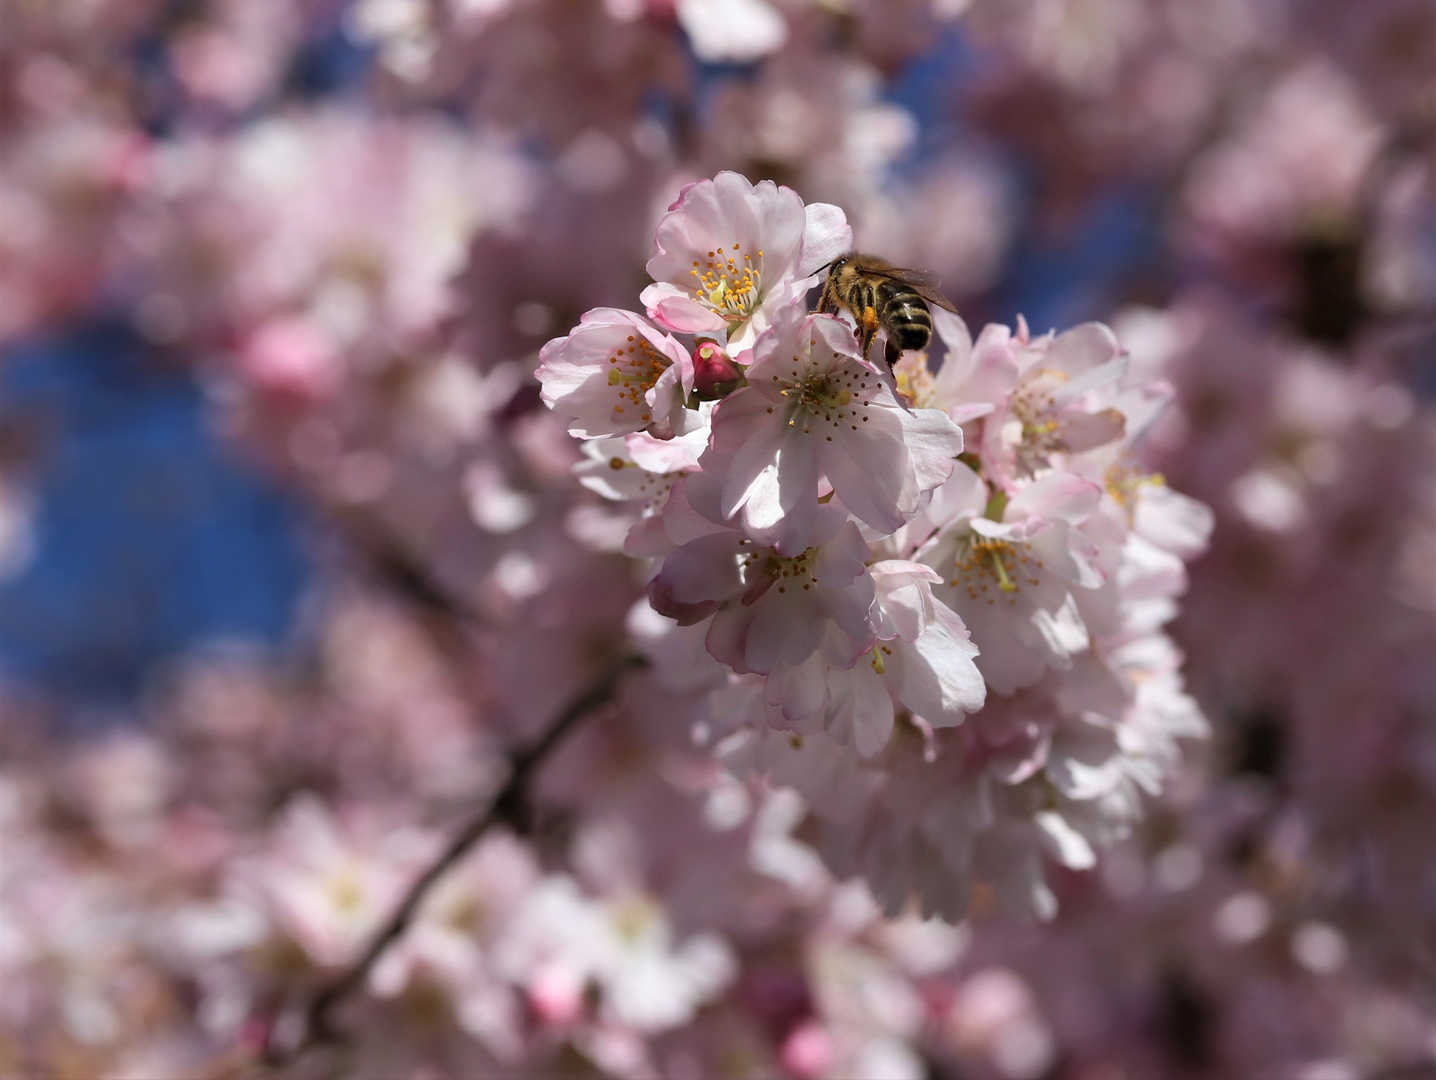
pixel 395 563
pixel 509 806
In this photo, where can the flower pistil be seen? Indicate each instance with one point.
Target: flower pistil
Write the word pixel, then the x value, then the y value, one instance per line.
pixel 986 562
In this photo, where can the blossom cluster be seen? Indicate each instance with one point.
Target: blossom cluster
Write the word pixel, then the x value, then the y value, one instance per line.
pixel 931 601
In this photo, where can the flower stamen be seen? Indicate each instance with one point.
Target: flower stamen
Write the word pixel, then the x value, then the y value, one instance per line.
pixel 728 284
pixel 635 369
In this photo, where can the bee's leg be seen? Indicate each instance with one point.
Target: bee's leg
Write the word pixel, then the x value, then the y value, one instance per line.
pixel 892 351
pixel 825 299
pixel 867 329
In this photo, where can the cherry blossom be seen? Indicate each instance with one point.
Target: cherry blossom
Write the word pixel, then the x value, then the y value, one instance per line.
pixel 616 373
pixel 813 410
pixel 1011 573
pixel 729 254
pixel 562 939
pixel 922 661
pixel 768 608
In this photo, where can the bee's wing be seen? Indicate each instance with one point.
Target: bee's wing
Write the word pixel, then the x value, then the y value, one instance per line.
pixel 924 282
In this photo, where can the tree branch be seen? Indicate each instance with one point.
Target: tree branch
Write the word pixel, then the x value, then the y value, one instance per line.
pixel 509 806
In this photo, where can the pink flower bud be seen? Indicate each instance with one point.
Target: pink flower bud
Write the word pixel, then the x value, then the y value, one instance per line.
pixel 808 1051
pixel 291 360
pixel 556 996
pixel 715 374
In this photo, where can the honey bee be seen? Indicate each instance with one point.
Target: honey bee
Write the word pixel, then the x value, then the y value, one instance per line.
pixel 881 295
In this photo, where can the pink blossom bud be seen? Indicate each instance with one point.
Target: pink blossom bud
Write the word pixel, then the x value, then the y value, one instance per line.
pixel 715 374
pixel 556 996
pixel 807 1051
pixel 291 360
pixel 257 1031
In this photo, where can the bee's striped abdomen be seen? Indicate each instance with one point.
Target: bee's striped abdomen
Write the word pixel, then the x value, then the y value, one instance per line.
pixel 905 314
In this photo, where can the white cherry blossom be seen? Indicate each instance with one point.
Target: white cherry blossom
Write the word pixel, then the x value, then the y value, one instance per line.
pixel 616 373
pixel 922 661
pixel 1010 572
pixel 729 254
pixel 814 411
pixel 768 607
